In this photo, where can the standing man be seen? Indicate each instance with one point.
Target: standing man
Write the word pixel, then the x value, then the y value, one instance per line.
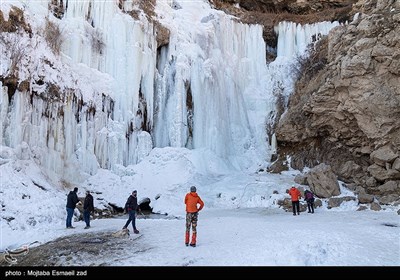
pixel 72 200
pixel 87 208
pixel 295 195
pixel 192 213
pixel 131 206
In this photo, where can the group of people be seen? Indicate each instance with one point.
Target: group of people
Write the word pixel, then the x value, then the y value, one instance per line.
pixel 296 195
pixel 192 200
pixel 88 207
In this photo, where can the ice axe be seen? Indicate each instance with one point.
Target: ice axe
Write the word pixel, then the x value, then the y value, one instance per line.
pixel 144 216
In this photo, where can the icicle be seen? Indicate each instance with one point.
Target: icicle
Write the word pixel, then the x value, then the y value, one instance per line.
pixel 225 78
pixel 293 38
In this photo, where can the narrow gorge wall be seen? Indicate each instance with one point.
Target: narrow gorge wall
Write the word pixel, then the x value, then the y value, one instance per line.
pixel 270 12
pixel 347 114
pixel 99 84
pixel 345 107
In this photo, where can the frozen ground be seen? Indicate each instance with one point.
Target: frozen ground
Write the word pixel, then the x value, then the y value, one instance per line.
pixel 237 237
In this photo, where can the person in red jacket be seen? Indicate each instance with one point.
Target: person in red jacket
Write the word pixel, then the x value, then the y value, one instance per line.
pixel 192 199
pixel 295 195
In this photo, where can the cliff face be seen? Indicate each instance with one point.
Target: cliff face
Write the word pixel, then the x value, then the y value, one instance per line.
pixel 347 114
pixel 270 12
pixel 345 110
pixel 290 6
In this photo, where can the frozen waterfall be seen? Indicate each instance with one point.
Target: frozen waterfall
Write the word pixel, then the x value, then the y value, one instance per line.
pixel 209 88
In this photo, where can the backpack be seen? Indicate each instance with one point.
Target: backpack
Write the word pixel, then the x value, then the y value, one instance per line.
pixel 310 196
pixel 126 205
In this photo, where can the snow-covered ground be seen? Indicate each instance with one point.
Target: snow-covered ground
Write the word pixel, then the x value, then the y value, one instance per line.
pixel 241 223
pixel 253 237
pixel 264 237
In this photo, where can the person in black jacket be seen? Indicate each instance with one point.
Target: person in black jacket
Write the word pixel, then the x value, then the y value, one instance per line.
pixel 72 200
pixel 131 206
pixel 87 208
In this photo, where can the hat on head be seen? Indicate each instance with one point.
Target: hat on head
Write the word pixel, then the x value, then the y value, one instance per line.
pixel 135 191
pixel 193 189
pixel 87 191
pixel 75 189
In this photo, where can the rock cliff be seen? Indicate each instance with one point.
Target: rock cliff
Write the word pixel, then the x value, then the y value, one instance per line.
pixel 270 12
pixel 347 113
pixel 345 110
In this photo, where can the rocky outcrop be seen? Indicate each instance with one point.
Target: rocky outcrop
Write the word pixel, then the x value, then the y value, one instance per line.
pixel 347 115
pixel 147 8
pixel 336 201
pixel 270 12
pixel 364 198
pixel 375 206
pixel 286 204
pixel 362 208
pixel 300 179
pixel 322 181
pixel 281 6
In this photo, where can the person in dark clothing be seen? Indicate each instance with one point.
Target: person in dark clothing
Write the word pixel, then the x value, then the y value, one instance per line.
pixel 131 206
pixel 87 208
pixel 309 197
pixel 72 200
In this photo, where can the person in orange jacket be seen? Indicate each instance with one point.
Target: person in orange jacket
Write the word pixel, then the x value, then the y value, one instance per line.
pixel 192 213
pixel 295 195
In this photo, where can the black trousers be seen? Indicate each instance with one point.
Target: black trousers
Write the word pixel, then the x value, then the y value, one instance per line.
pixel 310 206
pixel 296 205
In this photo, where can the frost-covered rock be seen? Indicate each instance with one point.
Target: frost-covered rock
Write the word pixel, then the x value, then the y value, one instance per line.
pixel 323 181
